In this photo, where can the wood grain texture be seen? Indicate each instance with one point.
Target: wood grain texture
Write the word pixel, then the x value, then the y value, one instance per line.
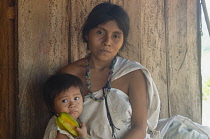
pixel 78 12
pixel 8 70
pixel 43 48
pixel 147 36
pixel 4 71
pixel 153 47
pixel 183 65
pixel 132 51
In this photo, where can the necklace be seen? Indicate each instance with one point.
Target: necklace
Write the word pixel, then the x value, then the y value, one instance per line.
pixel 106 88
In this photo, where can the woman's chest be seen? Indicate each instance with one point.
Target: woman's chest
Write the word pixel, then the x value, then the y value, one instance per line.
pixel 98 81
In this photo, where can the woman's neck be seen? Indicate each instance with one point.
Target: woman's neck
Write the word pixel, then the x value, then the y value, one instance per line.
pixel 99 65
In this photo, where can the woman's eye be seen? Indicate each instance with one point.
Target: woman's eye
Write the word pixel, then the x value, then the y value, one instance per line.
pixel 65 100
pixel 116 36
pixel 76 98
pixel 100 32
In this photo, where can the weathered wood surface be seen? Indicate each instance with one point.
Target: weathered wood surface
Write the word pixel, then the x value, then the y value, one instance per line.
pixel 156 51
pixel 147 39
pixel 182 59
pixel 163 38
pixel 4 72
pixel 7 70
pixel 78 15
pixel 43 28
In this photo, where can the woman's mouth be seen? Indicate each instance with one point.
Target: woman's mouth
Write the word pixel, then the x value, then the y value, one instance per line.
pixel 104 51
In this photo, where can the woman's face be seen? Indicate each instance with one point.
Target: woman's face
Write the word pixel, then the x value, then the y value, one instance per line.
pixel 69 101
pixel 105 40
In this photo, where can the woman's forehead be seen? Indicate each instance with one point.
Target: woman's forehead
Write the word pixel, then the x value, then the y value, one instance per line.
pixel 110 25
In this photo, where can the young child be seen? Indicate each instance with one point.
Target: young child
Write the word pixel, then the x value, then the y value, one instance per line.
pixel 63 93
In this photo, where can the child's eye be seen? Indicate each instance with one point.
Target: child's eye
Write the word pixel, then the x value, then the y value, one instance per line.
pixel 65 100
pixel 76 98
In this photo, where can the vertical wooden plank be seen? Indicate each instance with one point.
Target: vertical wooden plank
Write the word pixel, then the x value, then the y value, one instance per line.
pixel 78 16
pixel 43 49
pixel 4 71
pixel 153 51
pixel 147 36
pixel 13 72
pixel 194 60
pixel 182 60
pixel 7 70
pixel 132 51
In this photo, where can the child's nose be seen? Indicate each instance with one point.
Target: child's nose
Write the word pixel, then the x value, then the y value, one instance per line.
pixel 72 105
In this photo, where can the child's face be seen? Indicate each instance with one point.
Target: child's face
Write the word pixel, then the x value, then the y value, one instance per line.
pixel 69 101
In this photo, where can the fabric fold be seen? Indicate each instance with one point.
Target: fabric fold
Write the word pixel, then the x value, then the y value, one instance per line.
pixel 118 101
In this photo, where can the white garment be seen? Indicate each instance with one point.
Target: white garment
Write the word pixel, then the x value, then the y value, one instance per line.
pixel 180 127
pixel 52 128
pixel 94 113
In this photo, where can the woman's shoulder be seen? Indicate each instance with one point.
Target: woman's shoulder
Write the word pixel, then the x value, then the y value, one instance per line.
pixel 74 67
pixel 125 61
pixel 125 65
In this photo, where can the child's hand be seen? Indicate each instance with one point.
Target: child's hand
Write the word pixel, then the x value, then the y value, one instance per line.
pixel 82 130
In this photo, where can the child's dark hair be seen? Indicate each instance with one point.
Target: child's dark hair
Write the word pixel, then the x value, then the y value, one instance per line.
pixel 58 83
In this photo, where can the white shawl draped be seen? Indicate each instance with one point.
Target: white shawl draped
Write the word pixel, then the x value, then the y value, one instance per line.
pixel 94 113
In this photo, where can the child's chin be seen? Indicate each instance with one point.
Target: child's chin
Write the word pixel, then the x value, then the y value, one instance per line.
pixel 73 115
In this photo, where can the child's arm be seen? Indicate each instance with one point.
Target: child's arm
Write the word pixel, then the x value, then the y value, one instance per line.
pixel 61 136
pixel 82 132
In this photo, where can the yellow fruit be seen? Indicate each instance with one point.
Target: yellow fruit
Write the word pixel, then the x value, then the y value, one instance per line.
pixel 66 122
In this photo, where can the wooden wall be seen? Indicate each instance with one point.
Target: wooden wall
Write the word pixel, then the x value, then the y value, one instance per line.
pixel 43 27
pixel 163 38
pixel 183 62
pixel 8 69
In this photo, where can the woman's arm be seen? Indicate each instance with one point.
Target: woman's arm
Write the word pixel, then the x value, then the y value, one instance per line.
pixel 137 96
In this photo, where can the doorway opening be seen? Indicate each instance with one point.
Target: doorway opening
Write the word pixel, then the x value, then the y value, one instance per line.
pixel 205 62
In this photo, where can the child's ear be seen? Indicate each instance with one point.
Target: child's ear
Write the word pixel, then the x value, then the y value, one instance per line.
pixel 52 110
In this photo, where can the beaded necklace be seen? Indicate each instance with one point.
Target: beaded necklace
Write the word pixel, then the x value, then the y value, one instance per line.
pixel 106 88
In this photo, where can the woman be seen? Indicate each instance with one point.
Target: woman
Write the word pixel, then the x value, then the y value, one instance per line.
pixel 121 100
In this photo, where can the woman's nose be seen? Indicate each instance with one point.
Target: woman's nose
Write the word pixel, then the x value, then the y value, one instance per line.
pixel 107 40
